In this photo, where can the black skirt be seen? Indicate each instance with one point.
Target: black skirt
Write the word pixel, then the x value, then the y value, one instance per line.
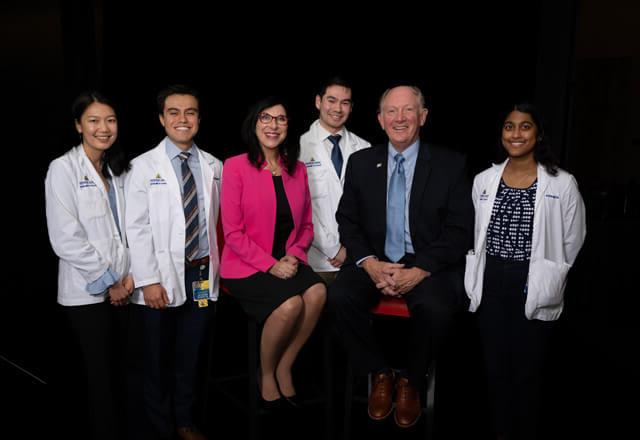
pixel 261 293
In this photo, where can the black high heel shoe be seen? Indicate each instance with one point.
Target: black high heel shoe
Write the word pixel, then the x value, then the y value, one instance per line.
pixel 271 405
pixel 268 406
pixel 294 401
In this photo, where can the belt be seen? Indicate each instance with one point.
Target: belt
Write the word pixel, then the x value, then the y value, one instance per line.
pixel 197 262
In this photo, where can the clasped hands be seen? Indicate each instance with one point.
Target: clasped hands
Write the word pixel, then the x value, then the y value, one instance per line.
pixel 120 291
pixel 285 268
pixel 393 279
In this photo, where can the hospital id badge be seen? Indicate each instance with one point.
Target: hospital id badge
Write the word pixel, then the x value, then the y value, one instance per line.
pixel 201 292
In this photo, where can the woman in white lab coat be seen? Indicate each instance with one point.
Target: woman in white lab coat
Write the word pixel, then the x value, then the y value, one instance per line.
pixel 85 218
pixel 529 228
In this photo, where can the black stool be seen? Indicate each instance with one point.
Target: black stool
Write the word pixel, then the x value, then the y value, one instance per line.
pixel 251 404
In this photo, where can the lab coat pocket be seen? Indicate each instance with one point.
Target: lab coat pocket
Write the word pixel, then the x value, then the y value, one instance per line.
pixel 547 280
pixel 91 208
pixel 159 196
pixel 318 185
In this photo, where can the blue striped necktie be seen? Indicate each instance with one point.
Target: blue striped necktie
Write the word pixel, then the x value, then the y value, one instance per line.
pixel 190 204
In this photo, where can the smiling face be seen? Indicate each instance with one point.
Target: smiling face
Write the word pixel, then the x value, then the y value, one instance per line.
pixel 401 116
pixel 335 107
pixel 99 128
pixel 271 135
pixel 519 135
pixel 181 119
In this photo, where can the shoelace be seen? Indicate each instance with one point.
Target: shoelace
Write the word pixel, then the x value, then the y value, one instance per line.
pixel 378 381
pixel 404 390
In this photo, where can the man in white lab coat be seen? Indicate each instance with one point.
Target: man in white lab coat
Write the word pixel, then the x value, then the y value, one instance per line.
pixel 173 197
pixel 325 150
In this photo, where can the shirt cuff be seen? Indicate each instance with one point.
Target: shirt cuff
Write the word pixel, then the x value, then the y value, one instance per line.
pixel 99 286
pixel 361 260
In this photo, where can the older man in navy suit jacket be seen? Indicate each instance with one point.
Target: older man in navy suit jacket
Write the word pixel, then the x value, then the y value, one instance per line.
pixel 406 219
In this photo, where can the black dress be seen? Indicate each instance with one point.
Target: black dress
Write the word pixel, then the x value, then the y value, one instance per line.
pixel 262 293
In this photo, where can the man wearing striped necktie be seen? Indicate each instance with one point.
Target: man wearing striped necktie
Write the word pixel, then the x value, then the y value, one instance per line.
pixel 174 194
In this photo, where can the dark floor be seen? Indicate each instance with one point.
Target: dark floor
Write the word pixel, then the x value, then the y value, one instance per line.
pixel 591 392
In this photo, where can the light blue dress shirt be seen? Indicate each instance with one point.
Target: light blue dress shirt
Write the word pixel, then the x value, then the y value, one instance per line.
pixel 194 164
pixel 410 158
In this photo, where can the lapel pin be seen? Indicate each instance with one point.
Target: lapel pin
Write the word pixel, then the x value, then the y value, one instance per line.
pixel 378 165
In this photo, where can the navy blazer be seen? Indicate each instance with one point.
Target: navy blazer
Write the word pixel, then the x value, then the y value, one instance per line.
pixel 440 210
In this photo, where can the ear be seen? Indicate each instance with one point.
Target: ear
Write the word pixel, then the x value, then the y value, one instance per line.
pixel 162 120
pixel 423 116
pixel 381 120
pixel 318 101
pixel 78 126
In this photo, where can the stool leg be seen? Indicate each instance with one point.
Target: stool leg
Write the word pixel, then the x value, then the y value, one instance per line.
pixel 252 330
pixel 328 382
pixel 431 390
pixel 207 374
pixel 348 400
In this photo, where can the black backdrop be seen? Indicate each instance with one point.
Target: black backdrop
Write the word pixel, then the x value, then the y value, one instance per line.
pixel 469 60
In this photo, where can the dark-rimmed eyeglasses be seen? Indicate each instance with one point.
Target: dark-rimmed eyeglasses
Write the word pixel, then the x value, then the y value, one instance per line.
pixel 266 118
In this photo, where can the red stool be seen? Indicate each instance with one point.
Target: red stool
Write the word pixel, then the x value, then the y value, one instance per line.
pixel 397 308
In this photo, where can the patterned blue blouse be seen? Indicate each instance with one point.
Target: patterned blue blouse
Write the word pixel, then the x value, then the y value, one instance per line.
pixel 511 226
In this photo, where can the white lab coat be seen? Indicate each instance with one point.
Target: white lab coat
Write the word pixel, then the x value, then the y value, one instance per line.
pixel 558 233
pixel 326 190
pixel 82 230
pixel 155 222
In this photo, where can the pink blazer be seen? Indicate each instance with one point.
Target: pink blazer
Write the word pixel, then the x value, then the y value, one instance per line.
pixel 248 212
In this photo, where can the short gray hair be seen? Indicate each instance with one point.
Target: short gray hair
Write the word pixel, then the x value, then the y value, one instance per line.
pixel 416 91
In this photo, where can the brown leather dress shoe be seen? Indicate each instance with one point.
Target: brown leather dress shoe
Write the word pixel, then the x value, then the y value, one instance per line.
pixel 380 398
pixel 190 433
pixel 408 407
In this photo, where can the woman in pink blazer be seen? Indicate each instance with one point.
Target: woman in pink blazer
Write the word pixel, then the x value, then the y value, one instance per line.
pixel 266 217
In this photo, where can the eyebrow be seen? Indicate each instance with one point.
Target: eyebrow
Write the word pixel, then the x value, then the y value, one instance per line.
pixel 186 110
pixel 111 115
pixel 338 99
pixel 519 124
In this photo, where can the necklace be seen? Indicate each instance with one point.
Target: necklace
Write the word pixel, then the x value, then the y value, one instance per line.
pixel 274 170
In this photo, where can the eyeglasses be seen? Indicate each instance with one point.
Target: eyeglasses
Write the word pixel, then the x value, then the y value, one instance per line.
pixel 266 118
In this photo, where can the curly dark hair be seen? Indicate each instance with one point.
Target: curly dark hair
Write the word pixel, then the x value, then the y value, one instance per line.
pixel 289 151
